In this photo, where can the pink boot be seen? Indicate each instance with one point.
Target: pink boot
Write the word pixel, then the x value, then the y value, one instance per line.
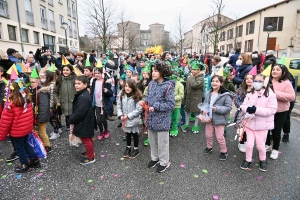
pixel 101 135
pixel 106 134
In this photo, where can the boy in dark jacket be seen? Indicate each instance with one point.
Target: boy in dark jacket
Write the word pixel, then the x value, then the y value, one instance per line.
pixel 82 117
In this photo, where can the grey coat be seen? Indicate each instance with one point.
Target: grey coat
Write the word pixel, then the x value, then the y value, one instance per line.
pixel 127 105
pixel 66 94
pixel 223 103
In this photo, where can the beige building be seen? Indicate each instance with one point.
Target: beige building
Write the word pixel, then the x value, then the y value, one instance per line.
pixel 130 31
pixel 250 32
pixel 188 42
pixel 38 23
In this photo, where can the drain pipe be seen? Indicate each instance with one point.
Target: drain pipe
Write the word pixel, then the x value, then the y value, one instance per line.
pixel 20 29
pixel 259 31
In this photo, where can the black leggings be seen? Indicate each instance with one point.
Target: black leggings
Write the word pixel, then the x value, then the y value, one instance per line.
pixel 287 123
pixel 135 139
pixel 244 139
pixel 54 121
pixel 67 121
pixel 279 120
pixel 101 119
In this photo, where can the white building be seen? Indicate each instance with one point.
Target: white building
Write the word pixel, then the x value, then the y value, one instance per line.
pixel 26 25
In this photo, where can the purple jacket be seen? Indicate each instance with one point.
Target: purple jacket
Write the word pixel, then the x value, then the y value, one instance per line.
pixel 265 110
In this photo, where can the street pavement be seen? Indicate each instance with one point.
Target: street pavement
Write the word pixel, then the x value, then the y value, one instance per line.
pixel 191 175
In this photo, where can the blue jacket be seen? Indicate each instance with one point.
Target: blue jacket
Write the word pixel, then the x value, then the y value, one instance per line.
pixel 12 58
pixel 241 72
pixel 233 60
pixel 161 97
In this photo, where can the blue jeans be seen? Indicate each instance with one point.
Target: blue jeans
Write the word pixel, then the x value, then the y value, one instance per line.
pixel 24 150
pixel 182 113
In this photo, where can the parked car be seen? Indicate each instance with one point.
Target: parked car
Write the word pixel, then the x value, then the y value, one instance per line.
pixel 293 64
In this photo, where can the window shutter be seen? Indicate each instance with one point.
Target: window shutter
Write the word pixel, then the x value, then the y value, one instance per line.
pixel 247 28
pixel 280 24
pixel 245 48
pixel 266 23
pixel 253 26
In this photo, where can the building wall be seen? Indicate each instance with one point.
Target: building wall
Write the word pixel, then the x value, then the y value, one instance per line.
pixel 188 42
pixel 157 33
pixel 58 33
pixel 286 10
pixel 132 31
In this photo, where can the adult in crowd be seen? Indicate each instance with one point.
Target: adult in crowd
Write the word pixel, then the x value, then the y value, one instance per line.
pixel 30 62
pixel 270 58
pixel 80 61
pixel 256 60
pixel 59 60
pixel 217 62
pixel 234 57
pixel 5 62
pixel 70 57
pixel 45 58
pixel 244 65
pixel 11 53
pixel 93 57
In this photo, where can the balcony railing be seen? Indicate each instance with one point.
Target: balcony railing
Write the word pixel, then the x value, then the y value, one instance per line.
pixel 44 23
pixel 74 14
pixel 29 18
pixel 52 26
pixel 3 8
pixel 70 32
pixel 75 34
pixel 50 2
pixel 69 11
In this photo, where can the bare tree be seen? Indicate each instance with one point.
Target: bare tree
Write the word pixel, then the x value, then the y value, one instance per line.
pixel 123 29
pixel 99 20
pixel 234 34
pixel 178 31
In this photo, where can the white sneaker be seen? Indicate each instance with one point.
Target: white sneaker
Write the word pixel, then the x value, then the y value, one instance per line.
pixel 268 148
pixel 54 136
pixel 274 154
pixel 51 133
pixel 242 147
pixel 59 131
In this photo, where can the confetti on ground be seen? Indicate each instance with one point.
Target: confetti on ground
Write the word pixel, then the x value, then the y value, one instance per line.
pixel 1 160
pixel 42 170
pixel 10 163
pixel 279 152
pixel 40 189
pixel 196 176
pixel 4 176
pixel 250 169
pixel 204 171
pixel 121 158
pixel 298 176
pixel 18 176
pixel 225 174
pixel 286 162
pixel 102 155
pixel 127 167
pixel 256 165
pixel 182 166
pixel 116 175
pixel 259 178
pixel 40 174
pixel 234 156
pixel 102 177
pixel 161 183
pixel 128 196
pixel 118 144
pixel 216 197
pixel 90 181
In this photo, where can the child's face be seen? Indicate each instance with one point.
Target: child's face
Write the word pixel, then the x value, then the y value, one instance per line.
pixel 79 85
pixel 98 75
pixel 128 73
pixel 124 62
pixel 249 80
pixel 195 72
pixel 128 90
pixel 276 72
pixel 87 73
pixel 145 75
pixel 142 64
pixel 216 84
pixel 34 83
pixel 66 71
pixel 155 74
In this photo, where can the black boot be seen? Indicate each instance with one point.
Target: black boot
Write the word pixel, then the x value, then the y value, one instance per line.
pixel 286 138
pixel 127 152
pixel 34 163
pixel 22 168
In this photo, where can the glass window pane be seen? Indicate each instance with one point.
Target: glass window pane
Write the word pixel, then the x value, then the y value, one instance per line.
pixel 12 33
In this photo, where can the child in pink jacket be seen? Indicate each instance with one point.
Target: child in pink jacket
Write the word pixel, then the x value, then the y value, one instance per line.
pixel 261 103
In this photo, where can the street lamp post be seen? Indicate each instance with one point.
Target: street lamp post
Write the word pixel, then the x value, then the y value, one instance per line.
pixel 269 30
pixel 66 26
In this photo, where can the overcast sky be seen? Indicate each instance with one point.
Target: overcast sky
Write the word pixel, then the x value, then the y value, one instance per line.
pixel 165 11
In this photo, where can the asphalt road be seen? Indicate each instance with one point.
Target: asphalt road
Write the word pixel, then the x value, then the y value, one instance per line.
pixel 191 175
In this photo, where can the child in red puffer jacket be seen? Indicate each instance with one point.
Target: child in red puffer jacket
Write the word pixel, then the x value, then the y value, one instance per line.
pixel 17 121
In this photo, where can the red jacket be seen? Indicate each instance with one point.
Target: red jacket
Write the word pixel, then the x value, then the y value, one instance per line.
pixel 16 122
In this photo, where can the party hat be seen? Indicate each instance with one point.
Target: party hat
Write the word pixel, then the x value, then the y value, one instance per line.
pixel 87 62
pixel 253 71
pixel 19 67
pixel 13 67
pixel 27 68
pixel 77 71
pixel 65 61
pixel 13 75
pixel 99 64
pixel 220 72
pixel 52 68
pixel 267 71
pixel 282 60
pixel 34 74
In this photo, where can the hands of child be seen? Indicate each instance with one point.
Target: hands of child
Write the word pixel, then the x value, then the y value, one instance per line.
pixel 251 110
pixel 214 108
pixel 151 109
pixel 79 63
pixel 58 104
pixel 105 90
pixel 124 117
pixel 204 112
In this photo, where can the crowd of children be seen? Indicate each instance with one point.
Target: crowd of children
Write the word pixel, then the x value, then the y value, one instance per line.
pixel 156 97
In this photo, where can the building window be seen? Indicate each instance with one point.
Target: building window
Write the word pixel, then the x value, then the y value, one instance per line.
pixel 0 31
pixel 248 46
pixel 238 45
pixel 229 34
pixel 223 35
pixel 25 35
pixel 49 41
pixel 250 27
pixel 276 22
pixel 60 1
pixel 12 33
pixel 74 26
pixel 71 43
pixel 36 37
pixel 239 31
pixel 61 19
